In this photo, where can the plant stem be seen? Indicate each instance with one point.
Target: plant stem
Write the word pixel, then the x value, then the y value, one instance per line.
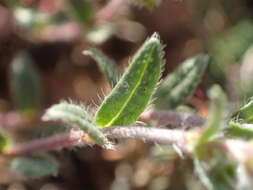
pixel 151 134
pixel 10 120
pixel 73 138
pixel 173 119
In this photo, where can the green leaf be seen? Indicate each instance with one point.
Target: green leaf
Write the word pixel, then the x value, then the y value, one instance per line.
pixel 81 10
pixel 202 174
pixel 133 92
pixel 238 130
pixel 216 170
pixel 105 64
pixel 178 86
pixel 78 118
pixel 216 114
pixel 25 84
pixel 228 48
pixel 246 75
pixel 213 166
pixel 35 166
pixel 246 112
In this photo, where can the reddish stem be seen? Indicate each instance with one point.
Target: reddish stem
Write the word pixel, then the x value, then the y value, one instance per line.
pixel 151 134
pixel 71 138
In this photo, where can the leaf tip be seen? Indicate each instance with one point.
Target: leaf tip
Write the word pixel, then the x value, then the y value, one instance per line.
pixel 156 35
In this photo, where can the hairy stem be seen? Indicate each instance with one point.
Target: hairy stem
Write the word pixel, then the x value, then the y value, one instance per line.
pixel 74 138
pixel 173 119
pixel 71 138
pixel 155 135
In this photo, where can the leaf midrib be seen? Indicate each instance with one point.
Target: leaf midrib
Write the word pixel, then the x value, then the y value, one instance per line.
pixel 131 94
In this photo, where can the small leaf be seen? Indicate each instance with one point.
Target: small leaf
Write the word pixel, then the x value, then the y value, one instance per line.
pixel 246 74
pixel 71 107
pixel 216 169
pixel 238 130
pixel 132 93
pixel 212 165
pixel 77 117
pixel 202 174
pixel 178 86
pixel 228 48
pixel 105 64
pixel 25 84
pixel 216 113
pixel 35 166
pixel 246 112
pixel 81 10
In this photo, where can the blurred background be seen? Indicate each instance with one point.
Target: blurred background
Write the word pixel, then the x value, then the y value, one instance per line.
pixel 41 63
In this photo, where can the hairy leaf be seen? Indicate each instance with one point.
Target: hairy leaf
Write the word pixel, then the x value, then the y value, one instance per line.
pixel 25 84
pixel 212 164
pixel 246 112
pixel 35 166
pixel 105 64
pixel 77 117
pixel 178 86
pixel 216 170
pixel 229 47
pixel 238 130
pixel 203 176
pixel 132 93
pixel 216 113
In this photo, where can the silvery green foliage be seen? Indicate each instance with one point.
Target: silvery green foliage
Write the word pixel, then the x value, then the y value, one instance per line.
pixel 241 124
pixel 25 83
pixel 106 65
pixel 178 86
pixel 214 166
pixel 245 113
pixel 77 117
pixel 216 114
pixel 131 95
pixel 35 166
pixel 246 73
pixel 217 170
pixel 239 130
